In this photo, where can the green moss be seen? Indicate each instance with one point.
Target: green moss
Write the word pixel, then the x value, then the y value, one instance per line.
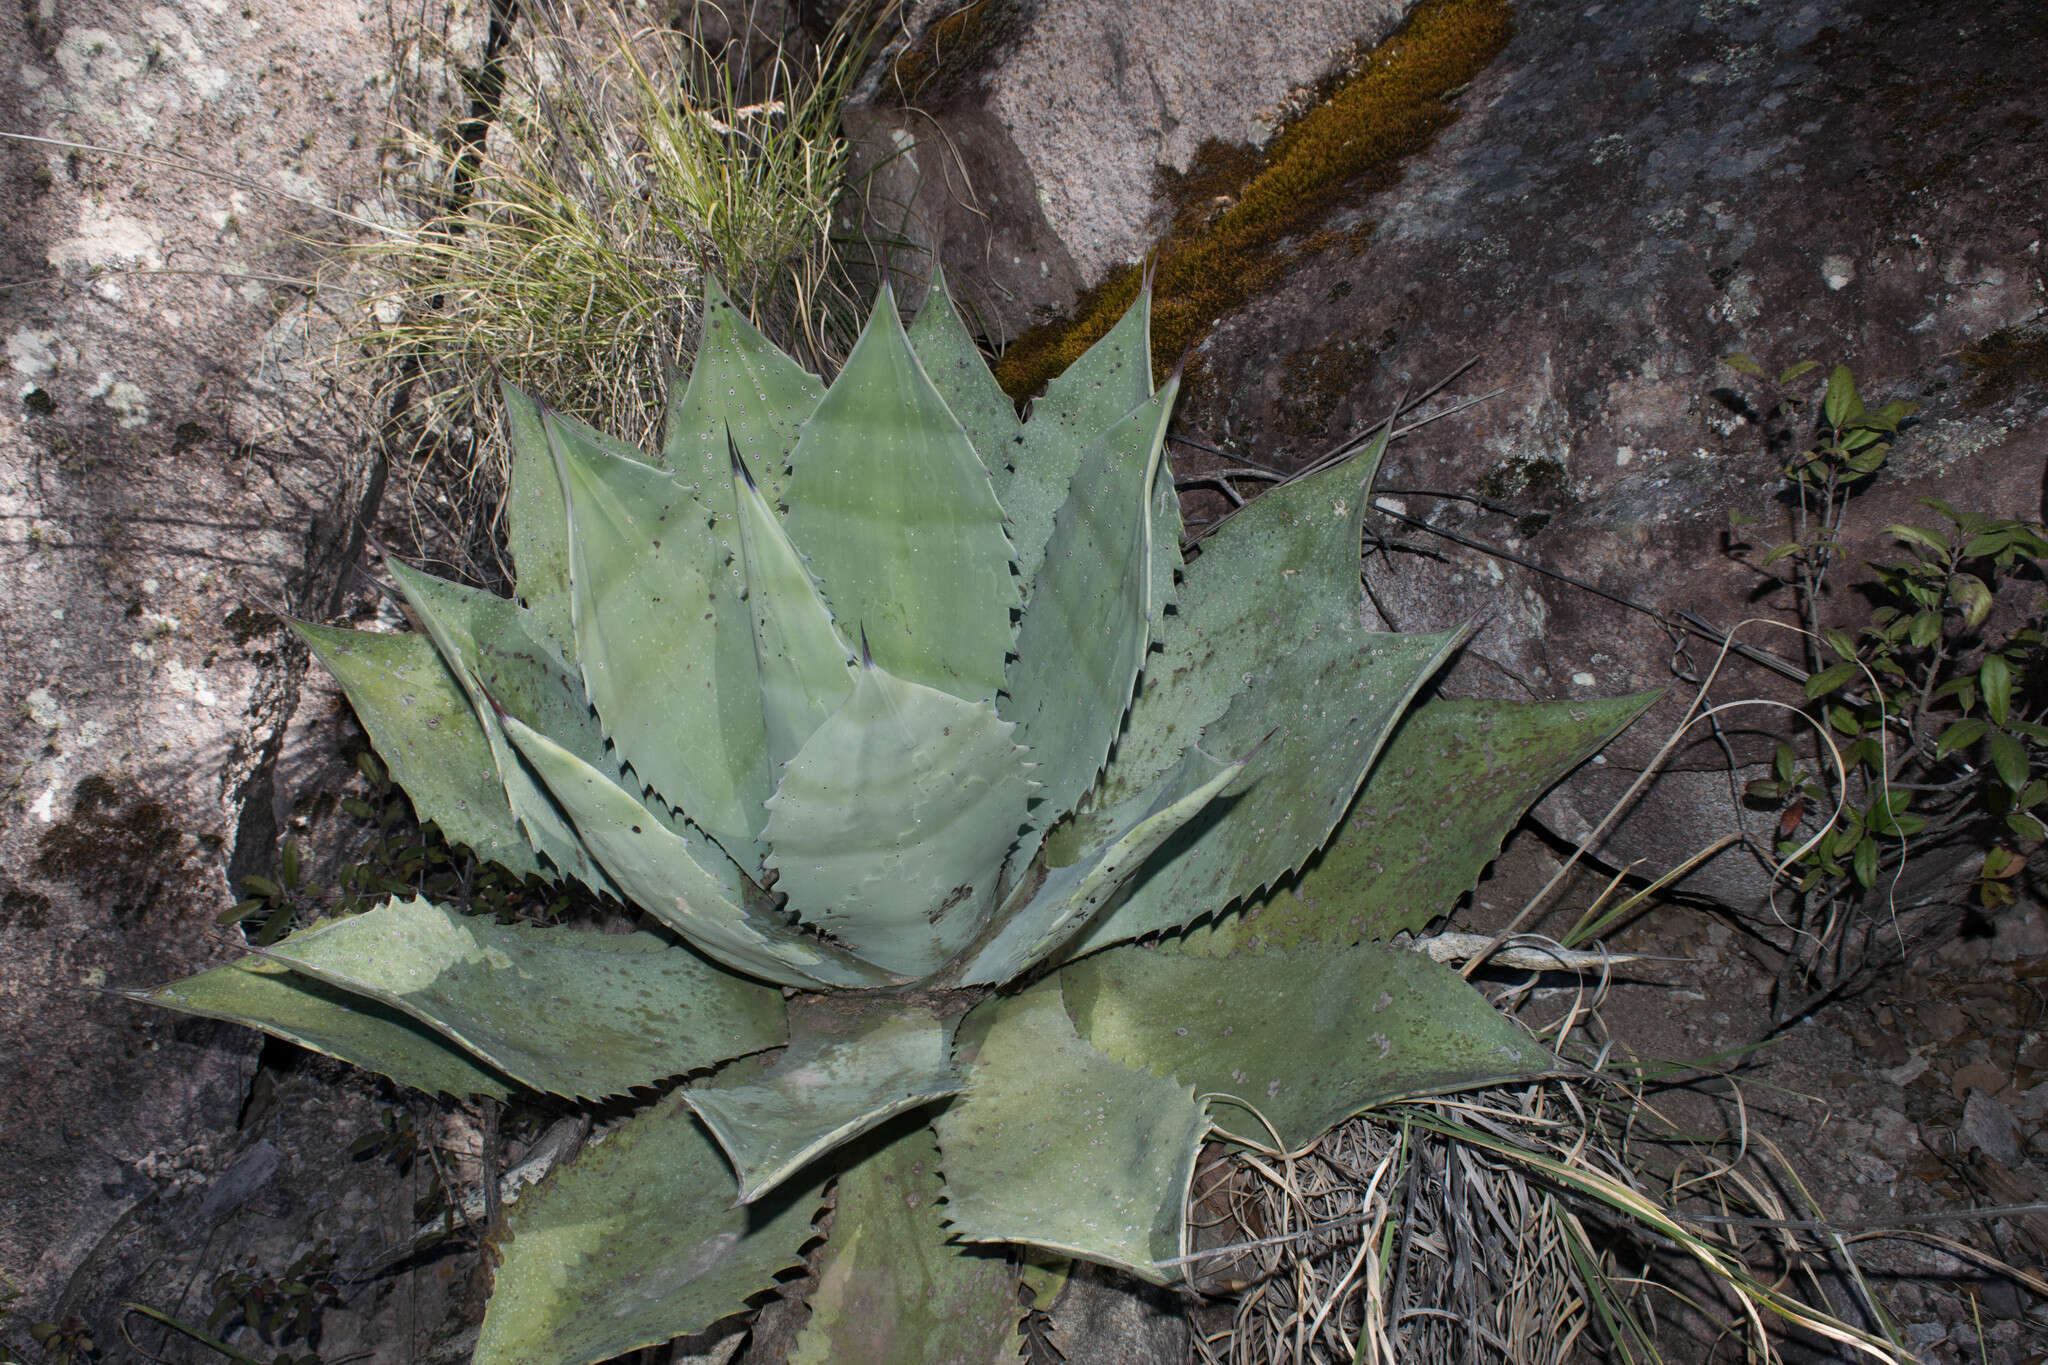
pixel 1232 209
pixel 2010 361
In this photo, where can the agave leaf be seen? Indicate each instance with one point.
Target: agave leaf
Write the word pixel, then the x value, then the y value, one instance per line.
pixel 327 1019
pixel 1070 895
pixel 562 1010
pixel 498 644
pixel 742 384
pixel 890 825
pixel 1268 576
pixel 806 668
pixel 537 523
pixel 1305 1039
pixel 1085 628
pixel 1058 1145
pixel 633 1245
pixel 1167 530
pixel 678 695
pixel 957 370
pixel 421 720
pixel 1404 854
pixel 844 1072
pixel 891 505
pixel 891 1289
pixel 684 880
pixel 1316 698
pixel 1111 378
pixel 460 621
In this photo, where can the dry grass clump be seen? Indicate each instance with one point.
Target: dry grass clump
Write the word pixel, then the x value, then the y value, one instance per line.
pixel 566 245
pixel 1536 1224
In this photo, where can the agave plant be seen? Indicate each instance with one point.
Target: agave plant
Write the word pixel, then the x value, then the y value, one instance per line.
pixel 901 719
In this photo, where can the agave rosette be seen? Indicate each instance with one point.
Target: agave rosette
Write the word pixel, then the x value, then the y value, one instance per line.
pixel 900 718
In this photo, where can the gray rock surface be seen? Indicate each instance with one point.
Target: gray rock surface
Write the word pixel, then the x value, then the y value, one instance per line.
pixel 173 457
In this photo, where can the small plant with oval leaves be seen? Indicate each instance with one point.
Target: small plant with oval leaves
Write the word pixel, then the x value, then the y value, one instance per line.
pixel 901 719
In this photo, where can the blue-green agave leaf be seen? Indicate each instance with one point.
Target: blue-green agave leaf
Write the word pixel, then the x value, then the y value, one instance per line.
pixel 1306 1039
pixel 537 523
pixel 329 1020
pixel 741 383
pixel 845 1071
pixel 563 1010
pixel 1266 577
pixel 1167 530
pixel 1059 1145
pixel 1404 854
pixel 891 1288
pixel 1085 629
pixel 421 720
pixel 806 667
pixel 684 880
pixel 678 695
pixel 960 374
pixel 890 827
pixel 1316 699
pixel 634 1244
pixel 479 634
pixel 1062 905
pixel 1111 377
pixel 893 509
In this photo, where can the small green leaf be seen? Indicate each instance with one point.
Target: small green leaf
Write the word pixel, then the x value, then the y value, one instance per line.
pixel 1926 629
pixel 1959 736
pixel 1783 761
pixel 1778 552
pixel 2026 826
pixel 2009 758
pixel 1841 403
pixel 1864 864
pixel 1793 372
pixel 1741 363
pixel 1915 535
pixel 1995 676
pixel 1830 678
pixel 1844 719
pixel 1971 593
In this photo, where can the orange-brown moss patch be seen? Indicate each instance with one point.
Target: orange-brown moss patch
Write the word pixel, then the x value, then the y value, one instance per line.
pixel 1222 247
